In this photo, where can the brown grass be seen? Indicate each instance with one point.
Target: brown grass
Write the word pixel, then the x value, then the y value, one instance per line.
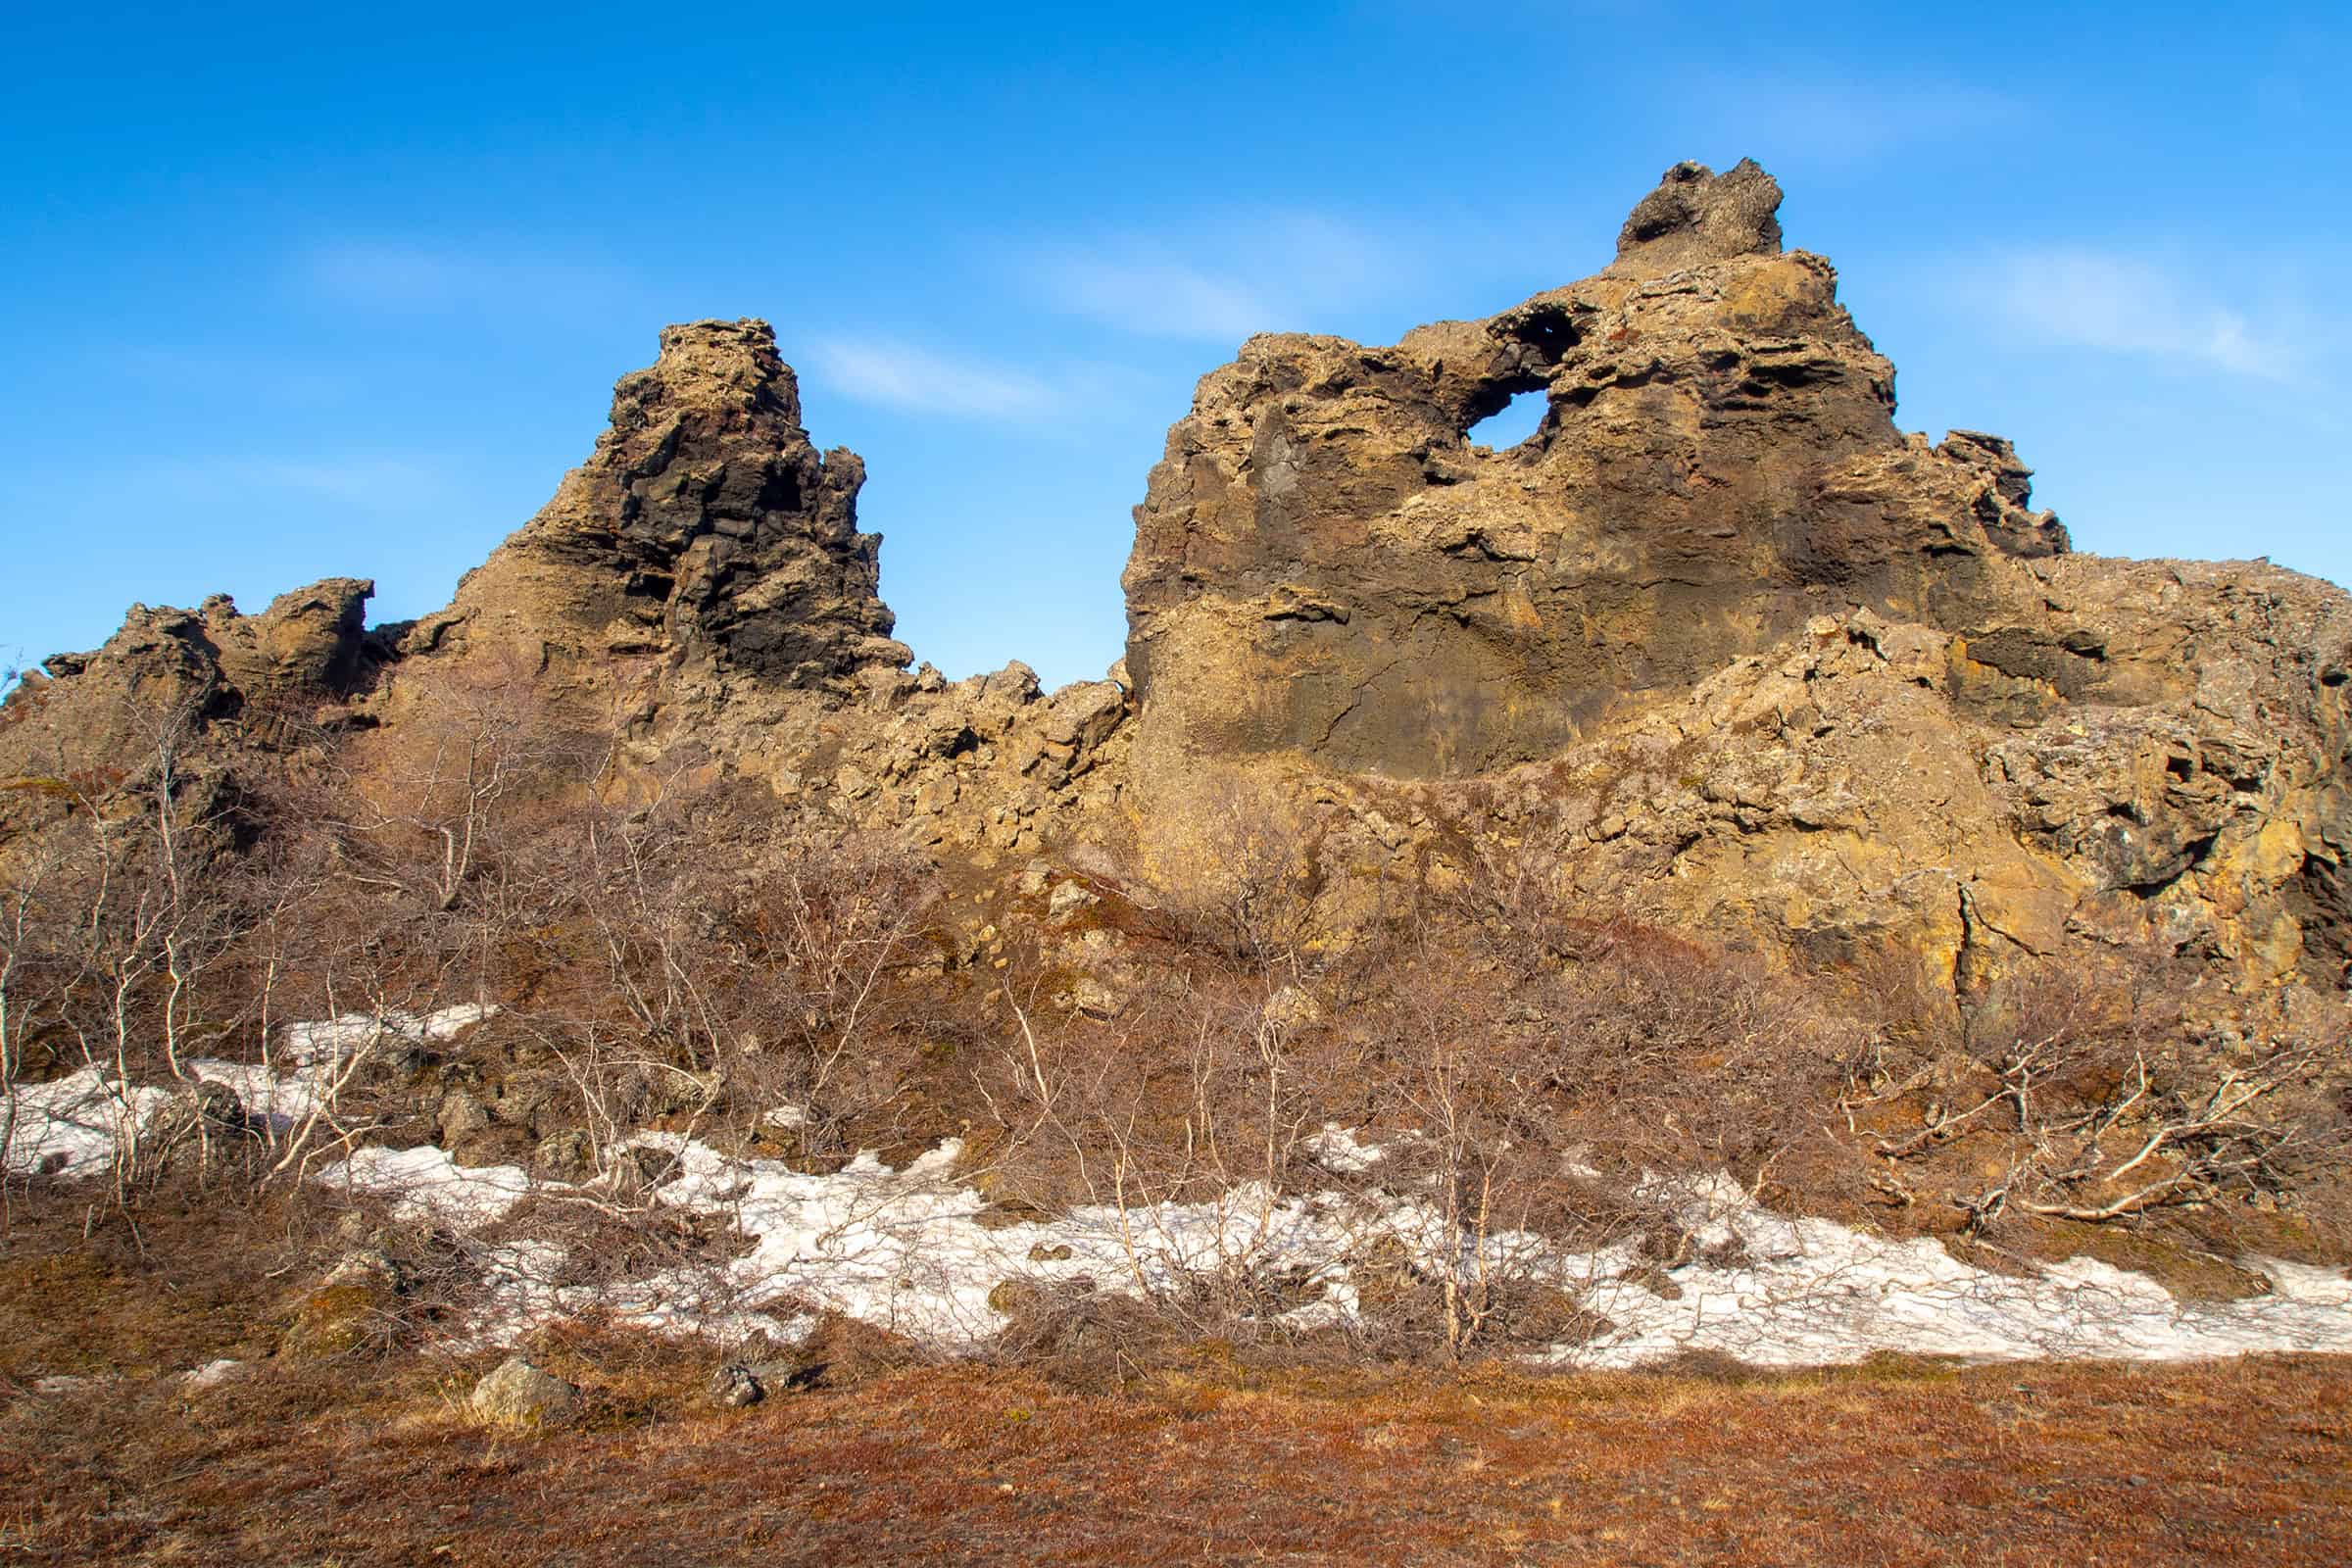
pixel 1207 1456
pixel 1897 1464
pixel 84 1290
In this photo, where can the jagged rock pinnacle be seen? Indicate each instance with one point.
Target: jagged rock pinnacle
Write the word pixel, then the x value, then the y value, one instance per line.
pixel 1696 216
pixel 706 523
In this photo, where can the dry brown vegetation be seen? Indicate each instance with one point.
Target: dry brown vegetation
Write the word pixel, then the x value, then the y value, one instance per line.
pixel 691 958
pixel 1894 1462
pixel 368 1454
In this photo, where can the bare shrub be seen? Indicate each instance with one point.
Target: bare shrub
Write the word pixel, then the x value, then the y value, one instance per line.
pixel 712 962
pixel 1454 1119
pixel 115 920
pixel 2106 1104
pixel 1248 883
pixel 1205 1099
pixel 479 762
pixel 1575 1108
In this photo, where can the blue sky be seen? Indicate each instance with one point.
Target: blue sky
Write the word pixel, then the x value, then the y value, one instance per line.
pixel 298 292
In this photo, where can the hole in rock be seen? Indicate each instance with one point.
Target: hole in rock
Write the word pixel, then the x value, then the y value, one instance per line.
pixel 1513 423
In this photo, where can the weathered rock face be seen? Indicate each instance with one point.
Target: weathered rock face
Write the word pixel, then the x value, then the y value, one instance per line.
pixel 1696 216
pixel 170 677
pixel 1768 667
pixel 308 645
pixel 706 528
pixel 696 592
pixel 1325 562
pixel 1850 787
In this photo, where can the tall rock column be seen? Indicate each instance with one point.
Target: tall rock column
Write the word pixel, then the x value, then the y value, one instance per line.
pixel 705 528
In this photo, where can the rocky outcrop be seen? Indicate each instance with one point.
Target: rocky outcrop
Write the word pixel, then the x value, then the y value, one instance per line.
pixel 1696 216
pixel 991 762
pixel 307 645
pixel 1854 788
pixel 182 683
pixel 1717 642
pixel 1327 562
pixel 697 591
pixel 706 529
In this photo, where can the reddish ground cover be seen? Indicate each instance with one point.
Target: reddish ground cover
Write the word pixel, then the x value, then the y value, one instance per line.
pixel 2246 1461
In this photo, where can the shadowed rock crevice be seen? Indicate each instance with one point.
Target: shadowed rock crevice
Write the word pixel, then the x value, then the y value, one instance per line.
pixel 2320 898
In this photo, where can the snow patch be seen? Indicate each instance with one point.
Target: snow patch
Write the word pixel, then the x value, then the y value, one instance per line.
pixel 1811 1291
pixel 76 1125
pixel 426 1182
pixel 1338 1149
pixel 80 1124
pixel 906 1249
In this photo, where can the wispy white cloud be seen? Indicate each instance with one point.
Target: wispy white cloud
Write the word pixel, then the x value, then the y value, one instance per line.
pixel 1129 285
pixel 900 375
pixel 2085 297
pixel 1783 119
pixel 404 276
pixel 371 483
pixel 1222 280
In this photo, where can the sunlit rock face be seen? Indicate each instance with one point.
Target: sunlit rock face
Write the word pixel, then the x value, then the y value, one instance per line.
pixel 706 525
pixel 1725 638
pixel 83 723
pixel 1325 560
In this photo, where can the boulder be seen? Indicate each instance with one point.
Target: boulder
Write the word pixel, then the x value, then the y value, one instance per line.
pixel 736 1385
pixel 516 1393
pixel 339 1316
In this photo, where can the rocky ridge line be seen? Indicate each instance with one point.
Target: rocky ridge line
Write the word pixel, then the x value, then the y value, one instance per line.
pixel 1717 640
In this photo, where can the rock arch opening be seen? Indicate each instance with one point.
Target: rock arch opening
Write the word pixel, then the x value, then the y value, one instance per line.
pixel 1518 418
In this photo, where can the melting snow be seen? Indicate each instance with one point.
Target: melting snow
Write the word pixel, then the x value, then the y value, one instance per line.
pixel 906 1249
pixel 77 1123
pixel 74 1125
pixel 1340 1150
pixel 426 1182
pixel 1813 1292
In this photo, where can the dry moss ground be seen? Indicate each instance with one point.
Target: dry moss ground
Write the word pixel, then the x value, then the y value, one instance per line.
pixel 376 1462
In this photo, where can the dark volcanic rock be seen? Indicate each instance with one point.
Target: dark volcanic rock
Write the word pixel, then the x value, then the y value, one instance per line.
pixel 705 525
pixel 1696 216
